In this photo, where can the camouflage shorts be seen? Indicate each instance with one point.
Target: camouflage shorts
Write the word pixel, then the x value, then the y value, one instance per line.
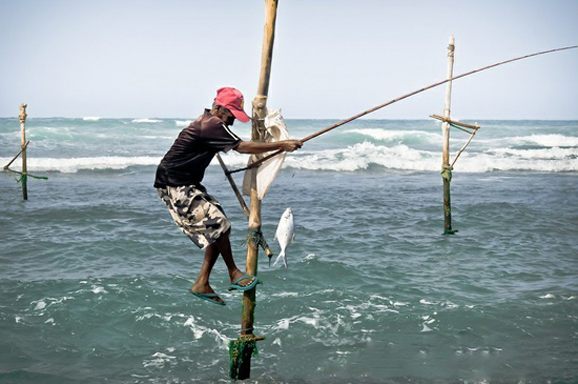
pixel 198 214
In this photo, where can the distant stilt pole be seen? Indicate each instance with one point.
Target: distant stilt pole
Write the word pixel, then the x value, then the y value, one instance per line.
pixel 24 144
pixel 24 172
pixel 446 168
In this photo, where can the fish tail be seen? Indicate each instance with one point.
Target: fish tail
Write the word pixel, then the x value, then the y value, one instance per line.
pixel 280 257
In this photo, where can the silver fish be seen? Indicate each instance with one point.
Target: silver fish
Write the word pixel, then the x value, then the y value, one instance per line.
pixel 285 235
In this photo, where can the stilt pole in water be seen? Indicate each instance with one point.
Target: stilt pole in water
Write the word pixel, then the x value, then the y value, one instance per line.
pixel 446 168
pixel 24 171
pixel 24 144
pixel 242 349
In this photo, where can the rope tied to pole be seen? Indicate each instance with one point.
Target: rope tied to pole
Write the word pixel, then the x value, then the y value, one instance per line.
pixel 23 178
pixel 24 175
pixel 255 236
pixel 447 173
pixel 240 350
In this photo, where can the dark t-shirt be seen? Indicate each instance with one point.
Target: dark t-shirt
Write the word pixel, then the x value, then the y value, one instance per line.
pixel 193 150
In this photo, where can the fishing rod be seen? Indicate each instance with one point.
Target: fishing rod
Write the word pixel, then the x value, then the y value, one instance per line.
pixel 325 130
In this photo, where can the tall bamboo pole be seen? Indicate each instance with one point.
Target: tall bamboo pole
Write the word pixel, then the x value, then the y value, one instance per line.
pixel 259 112
pixel 24 168
pixel 446 168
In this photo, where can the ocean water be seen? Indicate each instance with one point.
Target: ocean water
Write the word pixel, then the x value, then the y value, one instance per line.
pixel 94 275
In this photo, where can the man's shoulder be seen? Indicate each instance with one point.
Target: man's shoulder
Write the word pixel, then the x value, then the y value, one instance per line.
pixel 209 121
pixel 209 127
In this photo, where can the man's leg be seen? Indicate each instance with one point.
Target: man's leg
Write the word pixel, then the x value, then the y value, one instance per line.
pixel 235 273
pixel 221 246
pixel 202 285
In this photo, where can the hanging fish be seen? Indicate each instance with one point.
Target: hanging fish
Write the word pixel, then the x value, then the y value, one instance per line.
pixel 284 235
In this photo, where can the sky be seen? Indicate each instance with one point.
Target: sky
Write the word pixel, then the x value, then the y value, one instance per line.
pixel 332 59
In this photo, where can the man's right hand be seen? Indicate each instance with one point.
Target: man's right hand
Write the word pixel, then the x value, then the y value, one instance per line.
pixel 291 145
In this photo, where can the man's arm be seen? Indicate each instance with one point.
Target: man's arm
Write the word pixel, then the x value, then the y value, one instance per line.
pixel 255 148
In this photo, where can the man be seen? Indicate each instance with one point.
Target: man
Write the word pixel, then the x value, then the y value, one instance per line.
pixel 198 214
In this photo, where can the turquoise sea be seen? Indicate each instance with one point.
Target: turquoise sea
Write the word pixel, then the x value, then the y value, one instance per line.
pixel 95 276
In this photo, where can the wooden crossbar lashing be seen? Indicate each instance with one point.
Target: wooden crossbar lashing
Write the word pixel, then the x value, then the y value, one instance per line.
pixel 457 124
pixel 453 122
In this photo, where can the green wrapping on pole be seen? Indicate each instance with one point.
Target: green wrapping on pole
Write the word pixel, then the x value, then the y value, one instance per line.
pixel 239 350
pixel 23 178
pixel 447 173
pixel 256 236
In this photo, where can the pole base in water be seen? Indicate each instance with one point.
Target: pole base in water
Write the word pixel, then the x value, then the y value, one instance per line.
pixel 240 353
pixel 450 232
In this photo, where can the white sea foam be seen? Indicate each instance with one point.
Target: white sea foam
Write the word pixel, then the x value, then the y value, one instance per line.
pixel 182 123
pixel 425 328
pixel 309 257
pixel 146 120
pixel 159 360
pixel 361 156
pixel 98 289
pixel 351 159
pixel 200 330
pixel 391 135
pixel 553 153
pixel 285 294
pixel 283 324
pixel 308 320
pixel 73 165
pixel 90 118
pixel 487 162
pixel 553 140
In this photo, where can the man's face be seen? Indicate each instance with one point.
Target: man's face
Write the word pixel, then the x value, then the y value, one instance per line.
pixel 228 118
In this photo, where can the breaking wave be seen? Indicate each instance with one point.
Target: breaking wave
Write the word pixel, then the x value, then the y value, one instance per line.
pixel 92 143
pixel 359 157
pixel 146 120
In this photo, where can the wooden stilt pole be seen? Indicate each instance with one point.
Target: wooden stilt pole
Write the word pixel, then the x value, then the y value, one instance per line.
pixel 242 349
pixel 446 168
pixel 24 145
pixel 24 172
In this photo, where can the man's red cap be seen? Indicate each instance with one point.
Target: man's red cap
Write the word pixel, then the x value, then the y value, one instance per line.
pixel 233 100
